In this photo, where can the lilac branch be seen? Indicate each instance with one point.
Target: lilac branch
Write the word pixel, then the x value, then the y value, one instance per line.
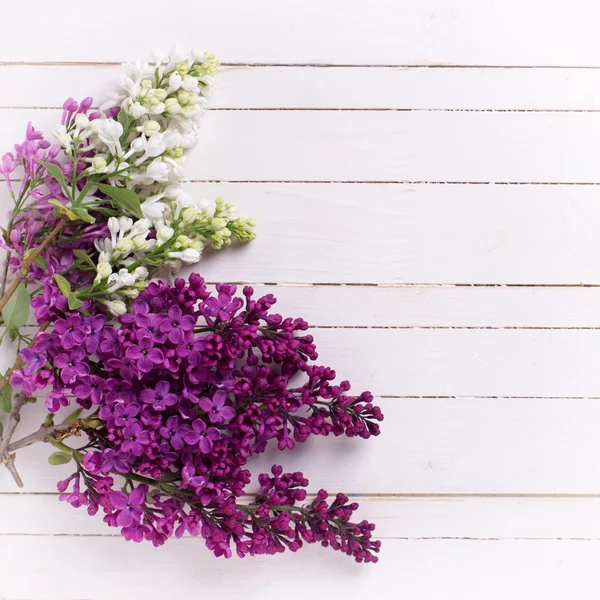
pixel 45 432
pixel 19 401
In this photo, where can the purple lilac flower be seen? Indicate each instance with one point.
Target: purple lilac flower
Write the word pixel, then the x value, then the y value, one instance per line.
pixel 216 407
pixel 194 416
pixel 135 437
pixel 177 325
pixel 145 355
pixel 94 335
pixel 71 331
pixel 129 507
pixel 33 360
pixel 202 435
pixel 159 397
pixel 72 364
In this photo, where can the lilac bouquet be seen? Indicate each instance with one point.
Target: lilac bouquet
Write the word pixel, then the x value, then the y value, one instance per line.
pixel 177 386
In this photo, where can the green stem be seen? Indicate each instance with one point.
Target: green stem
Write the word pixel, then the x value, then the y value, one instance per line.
pixel 67 449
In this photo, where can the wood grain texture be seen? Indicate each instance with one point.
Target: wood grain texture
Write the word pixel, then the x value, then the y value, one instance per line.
pixel 388 146
pixel 410 517
pixel 417 234
pixel 430 204
pixel 421 32
pixel 439 306
pixel 430 445
pixel 464 570
pixel 331 88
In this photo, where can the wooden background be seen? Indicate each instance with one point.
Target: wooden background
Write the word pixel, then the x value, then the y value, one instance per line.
pixel 425 176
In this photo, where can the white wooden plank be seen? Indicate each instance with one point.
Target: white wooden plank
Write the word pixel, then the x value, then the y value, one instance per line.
pixel 438 306
pixel 329 306
pixel 395 517
pixel 414 88
pixel 396 234
pixel 359 146
pixel 463 362
pixel 464 570
pixel 514 32
pixel 428 445
pixel 413 234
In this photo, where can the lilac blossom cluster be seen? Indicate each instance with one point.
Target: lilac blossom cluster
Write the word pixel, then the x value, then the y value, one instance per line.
pixel 185 389
pixel 109 195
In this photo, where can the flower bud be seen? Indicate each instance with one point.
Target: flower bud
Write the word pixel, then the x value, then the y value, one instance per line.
pixel 99 164
pixel 172 106
pixel 140 242
pixel 149 128
pixel 160 94
pixel 124 246
pixel 174 82
pixel 188 256
pixel 116 307
pixel 81 121
pixel 189 111
pixel 158 109
pixel 189 215
pixel 113 226
pixel 189 84
pixel 141 273
pixel 125 224
pixel 183 97
pixel 217 224
pixel 104 270
pixel 165 233
pixel 130 293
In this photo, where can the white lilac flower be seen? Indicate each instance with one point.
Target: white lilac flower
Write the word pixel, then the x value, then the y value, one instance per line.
pixel 116 307
pixel 143 150
pixel 188 256
pixel 109 131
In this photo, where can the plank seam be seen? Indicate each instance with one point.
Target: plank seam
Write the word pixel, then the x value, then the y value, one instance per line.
pixel 356 109
pixel 313 65
pixel 381 537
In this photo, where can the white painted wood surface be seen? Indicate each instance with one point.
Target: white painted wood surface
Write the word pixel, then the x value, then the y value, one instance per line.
pixel 426 179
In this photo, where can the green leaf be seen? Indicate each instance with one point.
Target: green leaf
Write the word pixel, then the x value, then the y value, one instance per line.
pixel 59 458
pixel 83 214
pixel 63 285
pixel 1 429
pixel 82 256
pixel 16 311
pixel 63 210
pixel 84 192
pixel 124 198
pixel 65 290
pixel 126 120
pixel 74 302
pixel 6 394
pixel 55 172
pixel 40 261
